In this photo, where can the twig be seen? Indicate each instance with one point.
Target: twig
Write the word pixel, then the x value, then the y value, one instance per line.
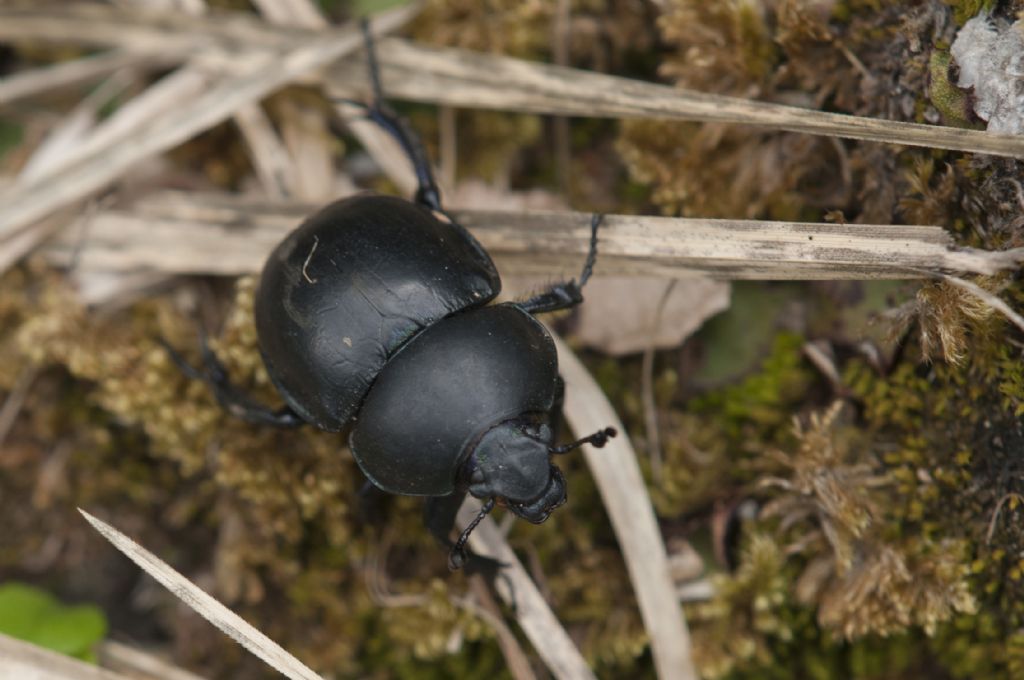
pixel 560 47
pixel 15 401
pixel 206 606
pixel 483 606
pixel 229 235
pixel 647 388
pixel 48 78
pixel 269 157
pixel 140 664
pixel 377 585
pixel 995 513
pixel 625 497
pixel 291 13
pixel 513 584
pixel 250 80
pixel 313 169
pixel 22 661
pixel 461 78
pixel 72 131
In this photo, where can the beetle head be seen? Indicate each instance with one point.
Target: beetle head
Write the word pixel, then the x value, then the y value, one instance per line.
pixel 513 462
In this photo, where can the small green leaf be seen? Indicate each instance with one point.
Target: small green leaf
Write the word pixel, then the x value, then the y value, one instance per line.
pixel 35 616
pixel 72 630
pixel 737 340
pixel 23 608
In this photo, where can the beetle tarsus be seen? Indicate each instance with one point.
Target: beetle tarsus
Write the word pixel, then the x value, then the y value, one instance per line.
pixel 588 265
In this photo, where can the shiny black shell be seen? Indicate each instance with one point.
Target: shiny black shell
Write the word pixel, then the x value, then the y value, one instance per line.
pixel 444 389
pixel 348 287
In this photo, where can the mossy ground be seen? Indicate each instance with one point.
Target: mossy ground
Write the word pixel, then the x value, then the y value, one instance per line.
pixel 887 541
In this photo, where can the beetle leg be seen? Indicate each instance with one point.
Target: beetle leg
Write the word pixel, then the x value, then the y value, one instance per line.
pixel 555 415
pixel 458 556
pixel 231 399
pixel 380 112
pixel 370 503
pixel 439 516
pixel 568 293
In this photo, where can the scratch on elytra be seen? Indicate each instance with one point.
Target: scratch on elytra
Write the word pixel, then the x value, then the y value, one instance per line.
pixel 316 242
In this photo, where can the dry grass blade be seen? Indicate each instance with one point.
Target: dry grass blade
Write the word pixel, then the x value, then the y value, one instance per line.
pixel 291 13
pixel 461 78
pixel 617 474
pixel 209 608
pixel 25 661
pixel 514 585
pixel 229 235
pixel 249 80
pixel 48 78
pixel 137 663
pixel 269 157
pixel 15 400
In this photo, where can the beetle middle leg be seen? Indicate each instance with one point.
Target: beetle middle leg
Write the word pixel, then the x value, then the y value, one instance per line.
pixel 567 294
pixel 231 398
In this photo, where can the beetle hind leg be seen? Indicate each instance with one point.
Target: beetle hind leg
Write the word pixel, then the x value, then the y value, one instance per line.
pixel 231 399
pixel 567 294
pixel 380 112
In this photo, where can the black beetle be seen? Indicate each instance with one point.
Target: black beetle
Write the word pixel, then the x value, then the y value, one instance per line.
pixel 374 311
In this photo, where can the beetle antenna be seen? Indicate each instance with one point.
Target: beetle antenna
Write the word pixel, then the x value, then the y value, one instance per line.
pixel 457 557
pixel 588 266
pixel 598 440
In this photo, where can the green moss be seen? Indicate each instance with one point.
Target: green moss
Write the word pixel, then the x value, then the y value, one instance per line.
pixel 949 433
pixel 11 134
pixel 715 442
pixel 764 401
pixel 951 101
pixel 964 10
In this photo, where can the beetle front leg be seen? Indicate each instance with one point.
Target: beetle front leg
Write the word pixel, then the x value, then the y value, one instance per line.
pixel 439 516
pixel 567 294
pixel 231 399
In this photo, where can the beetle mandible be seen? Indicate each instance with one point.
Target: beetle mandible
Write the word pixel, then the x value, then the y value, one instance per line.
pixel 375 311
